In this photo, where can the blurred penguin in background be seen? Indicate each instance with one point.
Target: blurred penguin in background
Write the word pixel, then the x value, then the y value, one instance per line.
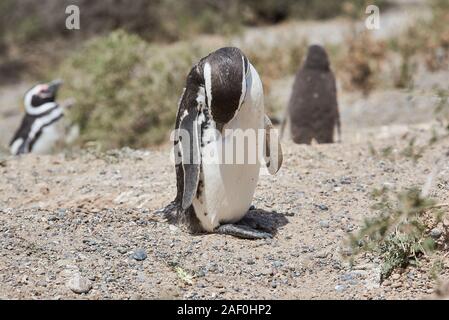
pixel 313 108
pixel 40 129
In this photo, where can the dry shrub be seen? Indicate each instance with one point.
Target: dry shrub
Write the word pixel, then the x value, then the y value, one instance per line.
pixel 360 61
pixel 126 89
pixel 276 62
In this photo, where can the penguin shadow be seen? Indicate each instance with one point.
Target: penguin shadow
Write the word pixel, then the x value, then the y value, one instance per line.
pixel 268 221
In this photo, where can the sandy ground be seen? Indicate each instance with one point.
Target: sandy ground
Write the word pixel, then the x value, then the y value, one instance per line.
pixel 88 214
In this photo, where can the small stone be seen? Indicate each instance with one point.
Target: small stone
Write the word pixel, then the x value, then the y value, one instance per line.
pixel 324 224
pixel 322 207
pixel 436 233
pixel 250 262
pixel 395 277
pixel 139 255
pixel 122 250
pixel 322 255
pixel 340 288
pixel 387 283
pixel 79 284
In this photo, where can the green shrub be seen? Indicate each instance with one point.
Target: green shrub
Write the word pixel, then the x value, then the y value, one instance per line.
pixel 127 90
pixel 400 233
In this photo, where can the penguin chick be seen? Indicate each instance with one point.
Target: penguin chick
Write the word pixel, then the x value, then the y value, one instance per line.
pixel 313 106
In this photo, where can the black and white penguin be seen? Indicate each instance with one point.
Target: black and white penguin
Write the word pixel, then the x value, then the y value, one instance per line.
pixel 39 132
pixel 313 107
pixel 223 98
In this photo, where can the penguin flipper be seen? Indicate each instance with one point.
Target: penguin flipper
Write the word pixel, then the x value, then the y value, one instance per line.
pixel 189 138
pixel 272 149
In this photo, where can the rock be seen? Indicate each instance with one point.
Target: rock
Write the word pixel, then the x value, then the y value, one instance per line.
pixel 387 283
pixel 322 255
pixel 250 262
pixel 395 277
pixel 139 255
pixel 436 233
pixel 324 224
pixel 340 288
pixel 322 207
pixel 122 250
pixel 79 284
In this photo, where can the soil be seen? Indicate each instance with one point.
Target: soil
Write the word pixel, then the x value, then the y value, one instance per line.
pixel 86 214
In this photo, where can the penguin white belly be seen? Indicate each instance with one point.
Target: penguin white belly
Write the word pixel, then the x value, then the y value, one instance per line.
pixel 47 140
pixel 226 190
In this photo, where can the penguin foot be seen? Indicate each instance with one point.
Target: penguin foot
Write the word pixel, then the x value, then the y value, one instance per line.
pixel 168 210
pixel 243 231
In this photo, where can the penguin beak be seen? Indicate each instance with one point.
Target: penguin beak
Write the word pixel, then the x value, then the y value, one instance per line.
pixel 54 86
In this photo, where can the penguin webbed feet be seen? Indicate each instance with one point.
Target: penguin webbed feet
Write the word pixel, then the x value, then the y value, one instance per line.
pixel 243 231
pixel 168 212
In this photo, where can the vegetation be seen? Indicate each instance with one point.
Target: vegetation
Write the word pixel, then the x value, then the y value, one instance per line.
pixel 162 20
pixel 126 89
pixel 400 233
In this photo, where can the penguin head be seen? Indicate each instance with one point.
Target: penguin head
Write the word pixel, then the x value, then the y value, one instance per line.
pixel 317 58
pixel 42 94
pixel 225 80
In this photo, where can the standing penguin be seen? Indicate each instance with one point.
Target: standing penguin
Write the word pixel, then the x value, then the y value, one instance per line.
pixel 313 107
pixel 38 132
pixel 223 97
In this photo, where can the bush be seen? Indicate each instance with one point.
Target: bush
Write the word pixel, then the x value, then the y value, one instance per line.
pixel 401 232
pixel 127 90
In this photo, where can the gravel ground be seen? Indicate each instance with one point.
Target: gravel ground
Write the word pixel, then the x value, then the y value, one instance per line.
pixel 83 226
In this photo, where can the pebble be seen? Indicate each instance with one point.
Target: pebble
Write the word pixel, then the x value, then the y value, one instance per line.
pixel 139 255
pixel 436 233
pixel 323 207
pixel 322 255
pixel 79 284
pixel 122 250
pixel 324 224
pixel 395 277
pixel 340 288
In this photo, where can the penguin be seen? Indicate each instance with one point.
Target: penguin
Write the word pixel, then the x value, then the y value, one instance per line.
pixel 313 107
pixel 223 97
pixel 39 132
